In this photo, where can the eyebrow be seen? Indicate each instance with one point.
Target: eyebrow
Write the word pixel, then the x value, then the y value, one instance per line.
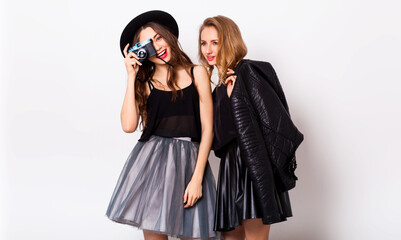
pixel 155 35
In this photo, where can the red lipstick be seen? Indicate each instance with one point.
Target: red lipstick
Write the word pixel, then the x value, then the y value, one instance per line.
pixel 162 54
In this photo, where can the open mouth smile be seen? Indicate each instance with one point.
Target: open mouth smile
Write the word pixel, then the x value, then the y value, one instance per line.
pixel 210 58
pixel 162 54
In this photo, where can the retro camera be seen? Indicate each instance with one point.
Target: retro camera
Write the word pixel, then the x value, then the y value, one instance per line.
pixel 143 50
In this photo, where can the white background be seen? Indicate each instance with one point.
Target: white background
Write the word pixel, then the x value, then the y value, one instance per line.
pixel 63 82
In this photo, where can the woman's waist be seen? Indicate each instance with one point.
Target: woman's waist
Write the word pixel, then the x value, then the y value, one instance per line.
pixel 182 137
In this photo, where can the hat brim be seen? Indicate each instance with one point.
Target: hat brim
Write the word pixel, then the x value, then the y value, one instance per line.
pixel 157 16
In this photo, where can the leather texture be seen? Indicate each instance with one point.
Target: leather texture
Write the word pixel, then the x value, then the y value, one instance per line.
pixel 267 138
pixel 236 199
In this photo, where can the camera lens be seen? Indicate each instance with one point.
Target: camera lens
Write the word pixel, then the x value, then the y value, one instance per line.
pixel 141 53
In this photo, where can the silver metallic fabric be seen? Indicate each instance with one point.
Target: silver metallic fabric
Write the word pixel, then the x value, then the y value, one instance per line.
pixel 149 193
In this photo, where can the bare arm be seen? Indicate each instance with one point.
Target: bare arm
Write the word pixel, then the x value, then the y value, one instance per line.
pixel 193 191
pixel 130 111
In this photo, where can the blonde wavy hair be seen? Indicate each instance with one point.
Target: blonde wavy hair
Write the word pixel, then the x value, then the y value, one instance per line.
pixel 231 46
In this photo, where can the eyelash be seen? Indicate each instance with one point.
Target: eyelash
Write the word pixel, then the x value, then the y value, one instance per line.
pixel 204 43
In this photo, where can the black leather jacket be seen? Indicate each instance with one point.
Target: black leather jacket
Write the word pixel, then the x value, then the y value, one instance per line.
pixel 266 135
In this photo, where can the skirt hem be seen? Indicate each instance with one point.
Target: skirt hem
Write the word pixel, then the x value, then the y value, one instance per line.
pixel 230 228
pixel 175 235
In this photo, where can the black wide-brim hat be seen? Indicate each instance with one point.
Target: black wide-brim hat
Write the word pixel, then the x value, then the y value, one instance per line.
pixel 157 16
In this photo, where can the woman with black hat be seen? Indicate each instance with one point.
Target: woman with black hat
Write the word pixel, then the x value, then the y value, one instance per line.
pixel 253 135
pixel 166 187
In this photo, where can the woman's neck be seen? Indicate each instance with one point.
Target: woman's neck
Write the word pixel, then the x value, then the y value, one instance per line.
pixel 161 71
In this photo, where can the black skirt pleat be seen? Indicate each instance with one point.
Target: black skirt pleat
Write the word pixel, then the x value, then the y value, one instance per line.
pixel 236 200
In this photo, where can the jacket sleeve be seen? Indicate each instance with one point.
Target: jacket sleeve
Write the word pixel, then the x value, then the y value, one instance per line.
pixel 277 86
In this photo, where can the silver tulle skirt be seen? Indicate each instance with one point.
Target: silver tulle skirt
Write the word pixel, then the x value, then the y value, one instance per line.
pixel 149 193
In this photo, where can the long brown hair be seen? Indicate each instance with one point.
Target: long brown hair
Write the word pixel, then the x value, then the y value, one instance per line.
pixel 231 46
pixel 147 70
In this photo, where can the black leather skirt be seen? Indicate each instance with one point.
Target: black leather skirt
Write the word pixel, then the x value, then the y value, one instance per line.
pixel 236 200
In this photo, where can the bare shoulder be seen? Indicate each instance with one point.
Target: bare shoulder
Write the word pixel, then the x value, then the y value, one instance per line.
pixel 200 74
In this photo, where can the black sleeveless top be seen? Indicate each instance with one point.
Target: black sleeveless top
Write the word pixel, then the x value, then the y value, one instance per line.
pixel 178 118
pixel 223 121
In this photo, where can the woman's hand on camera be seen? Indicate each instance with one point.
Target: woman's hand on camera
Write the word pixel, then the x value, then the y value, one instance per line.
pixel 131 62
pixel 230 81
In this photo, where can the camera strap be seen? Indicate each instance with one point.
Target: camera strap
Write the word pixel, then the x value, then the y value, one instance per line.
pixel 164 61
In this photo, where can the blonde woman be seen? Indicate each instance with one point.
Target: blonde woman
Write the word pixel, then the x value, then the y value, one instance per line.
pixel 253 135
